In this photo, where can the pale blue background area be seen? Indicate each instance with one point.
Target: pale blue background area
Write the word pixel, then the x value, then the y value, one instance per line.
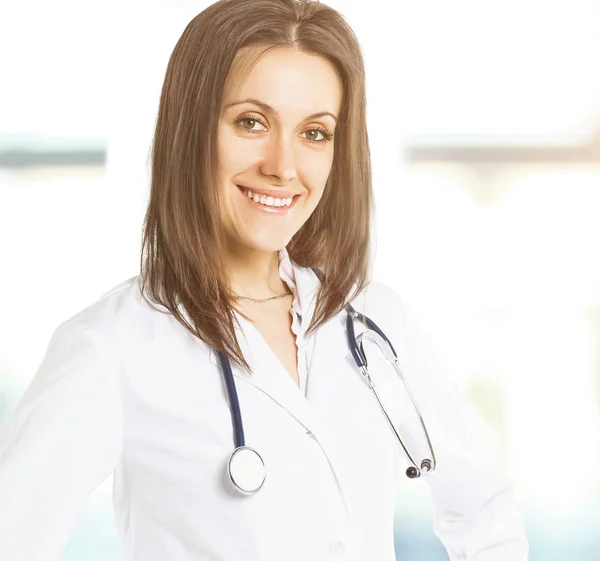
pixel 574 538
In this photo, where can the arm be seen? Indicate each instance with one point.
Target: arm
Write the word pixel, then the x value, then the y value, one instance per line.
pixel 60 443
pixel 475 514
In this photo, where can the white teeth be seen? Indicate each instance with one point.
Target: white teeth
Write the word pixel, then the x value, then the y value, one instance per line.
pixel 268 201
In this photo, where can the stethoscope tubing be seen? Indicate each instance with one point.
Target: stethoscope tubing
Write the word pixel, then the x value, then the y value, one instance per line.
pixel 355 344
pixel 236 414
pixel 358 355
pixel 357 351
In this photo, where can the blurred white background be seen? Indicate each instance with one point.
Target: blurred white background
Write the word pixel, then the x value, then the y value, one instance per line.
pixel 484 122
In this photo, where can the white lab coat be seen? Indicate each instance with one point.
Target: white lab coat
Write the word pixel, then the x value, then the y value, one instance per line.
pixel 124 388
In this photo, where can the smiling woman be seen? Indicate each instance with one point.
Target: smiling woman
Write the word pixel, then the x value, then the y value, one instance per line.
pixel 261 112
pixel 252 300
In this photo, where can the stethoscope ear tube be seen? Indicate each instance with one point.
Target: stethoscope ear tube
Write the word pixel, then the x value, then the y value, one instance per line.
pixel 357 350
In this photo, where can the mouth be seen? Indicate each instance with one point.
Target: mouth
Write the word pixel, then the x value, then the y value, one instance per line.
pixel 265 207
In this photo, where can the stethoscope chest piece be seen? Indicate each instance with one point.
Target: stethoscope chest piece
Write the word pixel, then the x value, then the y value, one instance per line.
pixel 247 470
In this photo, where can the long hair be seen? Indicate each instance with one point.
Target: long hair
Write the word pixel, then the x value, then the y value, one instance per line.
pixel 181 260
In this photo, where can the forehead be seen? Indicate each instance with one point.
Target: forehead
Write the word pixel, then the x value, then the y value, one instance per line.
pixel 290 81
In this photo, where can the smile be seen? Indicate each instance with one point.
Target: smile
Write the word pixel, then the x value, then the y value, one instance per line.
pixel 271 205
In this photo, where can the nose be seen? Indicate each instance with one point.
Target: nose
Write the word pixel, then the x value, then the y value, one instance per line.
pixel 279 161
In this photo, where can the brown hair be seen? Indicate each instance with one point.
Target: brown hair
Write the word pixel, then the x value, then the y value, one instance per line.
pixel 181 261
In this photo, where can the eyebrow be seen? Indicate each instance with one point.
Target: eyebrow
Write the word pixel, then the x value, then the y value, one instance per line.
pixel 268 108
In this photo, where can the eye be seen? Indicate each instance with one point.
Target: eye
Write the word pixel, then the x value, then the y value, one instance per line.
pixel 327 136
pixel 248 120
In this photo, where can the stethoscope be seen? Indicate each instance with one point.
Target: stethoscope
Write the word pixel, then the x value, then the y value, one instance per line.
pixel 246 467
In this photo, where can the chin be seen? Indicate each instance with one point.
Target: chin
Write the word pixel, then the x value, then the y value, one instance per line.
pixel 268 245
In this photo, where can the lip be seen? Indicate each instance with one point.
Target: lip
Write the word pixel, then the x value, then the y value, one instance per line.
pixel 277 193
pixel 268 209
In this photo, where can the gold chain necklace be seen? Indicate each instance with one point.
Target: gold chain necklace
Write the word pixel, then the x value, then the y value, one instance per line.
pixel 261 299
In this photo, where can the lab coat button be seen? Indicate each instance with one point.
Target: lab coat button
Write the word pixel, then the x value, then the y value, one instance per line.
pixel 336 549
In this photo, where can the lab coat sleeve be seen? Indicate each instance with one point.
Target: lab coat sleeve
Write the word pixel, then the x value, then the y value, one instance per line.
pixel 476 516
pixel 60 443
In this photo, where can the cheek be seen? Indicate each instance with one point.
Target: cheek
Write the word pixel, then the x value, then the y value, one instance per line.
pixel 317 177
pixel 233 152
pixel 231 159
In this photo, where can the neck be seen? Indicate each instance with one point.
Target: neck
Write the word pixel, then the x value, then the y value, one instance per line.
pixel 254 273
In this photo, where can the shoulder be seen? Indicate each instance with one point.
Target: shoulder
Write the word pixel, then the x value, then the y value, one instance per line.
pixel 379 295
pixel 120 313
pixel 396 316
pixel 382 304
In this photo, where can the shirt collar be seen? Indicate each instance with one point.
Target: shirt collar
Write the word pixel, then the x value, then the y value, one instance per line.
pixel 303 284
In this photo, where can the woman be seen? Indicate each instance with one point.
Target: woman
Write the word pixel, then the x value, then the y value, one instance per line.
pixel 260 173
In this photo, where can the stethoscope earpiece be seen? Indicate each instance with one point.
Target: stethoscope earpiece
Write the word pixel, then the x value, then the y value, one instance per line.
pixel 412 472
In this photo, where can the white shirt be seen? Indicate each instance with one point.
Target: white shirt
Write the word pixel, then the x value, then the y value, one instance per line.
pixel 125 389
pixel 286 272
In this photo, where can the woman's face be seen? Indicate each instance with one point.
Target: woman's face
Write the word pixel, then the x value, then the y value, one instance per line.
pixel 280 145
